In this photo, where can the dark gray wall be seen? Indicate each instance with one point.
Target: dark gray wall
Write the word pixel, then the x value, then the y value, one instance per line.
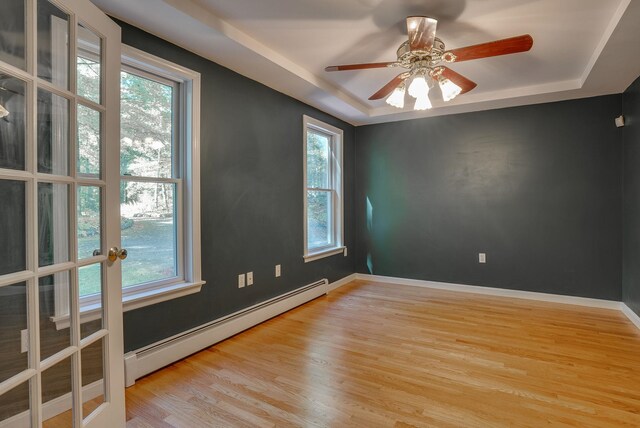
pixel 631 263
pixel 537 188
pixel 252 208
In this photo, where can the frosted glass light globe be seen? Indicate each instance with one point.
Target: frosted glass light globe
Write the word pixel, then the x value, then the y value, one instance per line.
pixel 396 98
pixel 418 87
pixel 449 89
pixel 422 102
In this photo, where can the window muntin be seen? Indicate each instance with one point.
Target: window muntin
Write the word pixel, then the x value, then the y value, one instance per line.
pixel 323 188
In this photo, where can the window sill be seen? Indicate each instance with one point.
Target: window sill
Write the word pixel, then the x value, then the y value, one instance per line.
pixel 324 253
pixel 133 301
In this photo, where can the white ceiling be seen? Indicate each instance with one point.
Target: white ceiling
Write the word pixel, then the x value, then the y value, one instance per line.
pixel 581 47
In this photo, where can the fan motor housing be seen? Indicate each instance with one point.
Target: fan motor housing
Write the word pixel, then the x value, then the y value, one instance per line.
pixel 407 58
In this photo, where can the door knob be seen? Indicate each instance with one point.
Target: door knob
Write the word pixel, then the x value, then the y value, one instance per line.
pixel 115 253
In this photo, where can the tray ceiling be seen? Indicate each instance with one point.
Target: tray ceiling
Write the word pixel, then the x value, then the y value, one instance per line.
pixel 581 47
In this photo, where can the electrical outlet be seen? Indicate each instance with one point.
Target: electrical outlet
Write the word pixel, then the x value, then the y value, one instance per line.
pixel 241 281
pixel 24 341
pixel 249 278
pixel 482 258
pixel 278 271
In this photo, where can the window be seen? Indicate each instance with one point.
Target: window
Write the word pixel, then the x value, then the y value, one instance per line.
pixel 323 213
pixel 159 182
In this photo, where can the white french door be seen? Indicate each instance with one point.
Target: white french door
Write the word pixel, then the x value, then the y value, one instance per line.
pixel 59 216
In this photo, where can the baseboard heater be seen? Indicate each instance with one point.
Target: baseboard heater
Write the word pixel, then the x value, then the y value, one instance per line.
pixel 160 354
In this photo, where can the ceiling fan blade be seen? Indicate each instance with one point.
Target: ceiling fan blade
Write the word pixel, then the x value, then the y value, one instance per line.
pixel 499 47
pixel 465 84
pixel 389 87
pixel 360 66
pixel 422 32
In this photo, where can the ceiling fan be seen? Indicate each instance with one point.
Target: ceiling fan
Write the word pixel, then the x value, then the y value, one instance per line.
pixel 424 56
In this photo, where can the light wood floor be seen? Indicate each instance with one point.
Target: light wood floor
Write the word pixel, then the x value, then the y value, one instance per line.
pixel 372 355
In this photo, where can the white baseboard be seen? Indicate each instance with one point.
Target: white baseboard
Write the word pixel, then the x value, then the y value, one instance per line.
pixel 344 281
pixel 501 292
pixel 54 407
pixel 633 317
pixel 160 354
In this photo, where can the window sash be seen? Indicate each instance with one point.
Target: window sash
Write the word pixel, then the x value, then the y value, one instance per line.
pixel 331 220
pixel 179 233
pixel 177 146
pixel 330 156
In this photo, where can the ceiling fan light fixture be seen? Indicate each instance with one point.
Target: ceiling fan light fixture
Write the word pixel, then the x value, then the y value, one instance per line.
pixel 3 111
pixel 449 89
pixel 422 102
pixel 396 99
pixel 424 56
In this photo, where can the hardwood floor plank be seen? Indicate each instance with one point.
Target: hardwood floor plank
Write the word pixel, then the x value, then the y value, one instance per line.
pixel 384 355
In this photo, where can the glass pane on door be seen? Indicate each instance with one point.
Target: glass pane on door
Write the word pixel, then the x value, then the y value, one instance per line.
pixel 88 141
pixel 89 63
pixel 53 44
pixel 91 292
pixel 12 33
pixel 55 304
pixel 89 222
pixel 13 322
pixel 13 251
pixel 56 385
pixel 53 223
pixel 13 123
pixel 93 394
pixel 53 133
pixel 14 404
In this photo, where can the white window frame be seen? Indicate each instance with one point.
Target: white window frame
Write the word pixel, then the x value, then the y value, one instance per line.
pixel 189 273
pixel 336 136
